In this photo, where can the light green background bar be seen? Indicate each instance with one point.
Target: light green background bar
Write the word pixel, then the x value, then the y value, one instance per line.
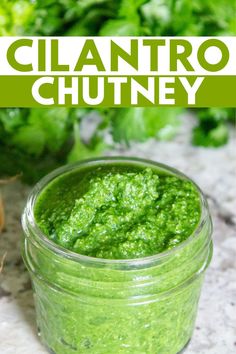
pixel 215 91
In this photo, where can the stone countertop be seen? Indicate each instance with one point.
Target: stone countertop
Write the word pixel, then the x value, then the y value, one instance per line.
pixel 215 172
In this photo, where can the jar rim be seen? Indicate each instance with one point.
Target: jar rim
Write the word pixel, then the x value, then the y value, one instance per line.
pixel 29 223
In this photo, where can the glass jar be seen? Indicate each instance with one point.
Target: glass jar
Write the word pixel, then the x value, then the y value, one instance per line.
pixel 104 306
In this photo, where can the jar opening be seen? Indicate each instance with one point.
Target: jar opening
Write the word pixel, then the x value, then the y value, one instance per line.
pixel 30 225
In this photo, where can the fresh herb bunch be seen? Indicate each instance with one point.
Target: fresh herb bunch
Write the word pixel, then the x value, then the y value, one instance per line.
pixel 132 17
pixel 34 141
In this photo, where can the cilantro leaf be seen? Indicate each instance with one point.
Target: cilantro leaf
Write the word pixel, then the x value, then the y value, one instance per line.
pixel 141 123
pixel 207 135
pixel 213 127
pixel 45 129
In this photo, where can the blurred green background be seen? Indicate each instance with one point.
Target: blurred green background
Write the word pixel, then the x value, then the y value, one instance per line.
pixel 34 141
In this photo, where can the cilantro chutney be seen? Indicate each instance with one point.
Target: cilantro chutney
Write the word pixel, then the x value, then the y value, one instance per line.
pixel 117 250
pixel 120 212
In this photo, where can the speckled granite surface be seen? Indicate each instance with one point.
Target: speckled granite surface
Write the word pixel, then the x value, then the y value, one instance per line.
pixel 215 171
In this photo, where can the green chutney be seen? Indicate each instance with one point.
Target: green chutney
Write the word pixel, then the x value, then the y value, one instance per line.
pixel 118 213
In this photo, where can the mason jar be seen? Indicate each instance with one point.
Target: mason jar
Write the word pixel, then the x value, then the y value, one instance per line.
pixel 109 306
